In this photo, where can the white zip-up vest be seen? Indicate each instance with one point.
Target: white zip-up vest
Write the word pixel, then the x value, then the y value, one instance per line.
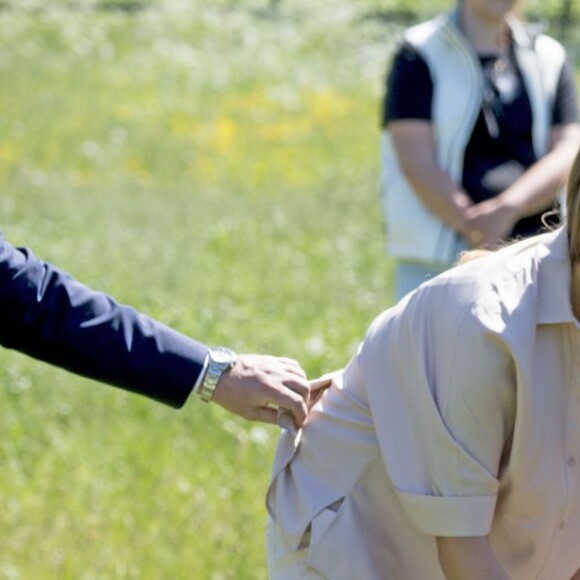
pixel 413 233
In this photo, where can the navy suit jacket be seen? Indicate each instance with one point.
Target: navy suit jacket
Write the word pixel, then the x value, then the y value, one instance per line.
pixel 48 315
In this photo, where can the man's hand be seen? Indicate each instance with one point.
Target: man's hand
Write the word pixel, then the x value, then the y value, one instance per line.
pixel 317 388
pixel 258 385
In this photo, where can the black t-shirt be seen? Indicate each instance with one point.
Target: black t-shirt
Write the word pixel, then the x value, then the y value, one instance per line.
pixel 500 147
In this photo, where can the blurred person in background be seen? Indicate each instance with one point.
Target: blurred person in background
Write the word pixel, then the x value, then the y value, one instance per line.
pixel 48 315
pixel 480 129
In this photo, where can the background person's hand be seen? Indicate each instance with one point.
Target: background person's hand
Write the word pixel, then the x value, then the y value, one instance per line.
pixel 489 221
pixel 258 385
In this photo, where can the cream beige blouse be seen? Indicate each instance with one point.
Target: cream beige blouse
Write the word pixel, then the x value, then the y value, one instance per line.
pixel 458 416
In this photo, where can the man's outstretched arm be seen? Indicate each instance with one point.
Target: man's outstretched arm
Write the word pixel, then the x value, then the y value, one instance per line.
pixel 48 315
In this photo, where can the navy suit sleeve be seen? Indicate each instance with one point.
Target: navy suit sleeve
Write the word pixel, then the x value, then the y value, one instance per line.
pixel 48 315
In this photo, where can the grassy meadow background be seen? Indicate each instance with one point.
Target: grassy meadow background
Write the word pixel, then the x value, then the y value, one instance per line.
pixel 215 165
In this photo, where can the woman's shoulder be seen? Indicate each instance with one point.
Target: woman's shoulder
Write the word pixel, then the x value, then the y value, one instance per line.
pixel 497 292
pixel 502 276
pixel 495 285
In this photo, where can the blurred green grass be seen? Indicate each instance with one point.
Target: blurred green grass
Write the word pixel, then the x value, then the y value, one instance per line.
pixel 217 169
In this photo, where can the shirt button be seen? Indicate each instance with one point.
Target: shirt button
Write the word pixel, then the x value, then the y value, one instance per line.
pixel 571 461
pixel 562 524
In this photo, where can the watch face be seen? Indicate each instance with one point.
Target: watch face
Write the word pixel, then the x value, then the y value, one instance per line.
pixel 222 355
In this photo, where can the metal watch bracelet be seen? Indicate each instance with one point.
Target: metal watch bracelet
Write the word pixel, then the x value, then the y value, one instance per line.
pixel 220 360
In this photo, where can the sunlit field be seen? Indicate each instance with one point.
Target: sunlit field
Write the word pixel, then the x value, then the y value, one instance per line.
pixel 214 164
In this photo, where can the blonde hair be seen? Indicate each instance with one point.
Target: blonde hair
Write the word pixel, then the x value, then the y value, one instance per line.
pixel 469 255
pixel 474 253
pixel 573 209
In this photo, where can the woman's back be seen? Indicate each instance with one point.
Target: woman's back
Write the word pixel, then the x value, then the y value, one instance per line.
pixel 456 418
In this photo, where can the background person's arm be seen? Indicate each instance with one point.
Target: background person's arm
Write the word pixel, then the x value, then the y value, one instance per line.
pixel 407 116
pixel 534 190
pixel 413 141
pixel 472 558
pixel 537 187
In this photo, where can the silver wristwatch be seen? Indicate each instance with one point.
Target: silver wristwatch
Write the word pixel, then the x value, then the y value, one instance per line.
pixel 219 360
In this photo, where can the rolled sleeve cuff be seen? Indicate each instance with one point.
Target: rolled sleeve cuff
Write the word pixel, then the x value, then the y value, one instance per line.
pixel 449 516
